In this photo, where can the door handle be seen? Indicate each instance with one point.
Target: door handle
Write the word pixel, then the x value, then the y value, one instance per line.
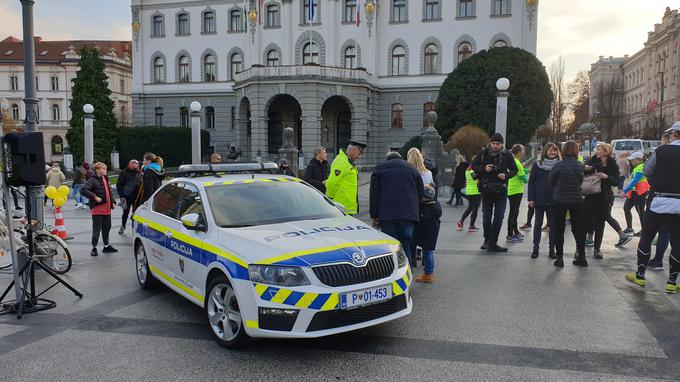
pixel 168 234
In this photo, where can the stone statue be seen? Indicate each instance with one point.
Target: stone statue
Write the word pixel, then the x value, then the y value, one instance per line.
pixel 287 138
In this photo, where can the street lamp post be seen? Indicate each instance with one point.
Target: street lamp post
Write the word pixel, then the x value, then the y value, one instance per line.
pixel 88 119
pixel 661 124
pixel 502 95
pixel 195 108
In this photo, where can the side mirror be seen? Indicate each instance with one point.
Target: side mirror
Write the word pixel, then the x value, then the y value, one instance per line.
pixel 194 222
pixel 340 206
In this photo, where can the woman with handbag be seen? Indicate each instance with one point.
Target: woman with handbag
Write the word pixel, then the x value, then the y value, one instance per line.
pixel 601 174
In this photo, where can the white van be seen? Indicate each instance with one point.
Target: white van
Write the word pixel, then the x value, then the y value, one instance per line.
pixel 650 146
pixel 626 146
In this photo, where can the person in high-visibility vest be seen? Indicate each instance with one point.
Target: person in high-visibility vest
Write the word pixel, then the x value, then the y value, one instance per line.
pixel 342 185
pixel 515 194
pixel 474 198
pixel 636 191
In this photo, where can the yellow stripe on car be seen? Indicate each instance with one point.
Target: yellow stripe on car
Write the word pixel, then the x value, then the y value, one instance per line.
pixel 176 283
pixel 291 255
pixel 331 303
pixel 281 296
pixel 306 300
pixel 252 324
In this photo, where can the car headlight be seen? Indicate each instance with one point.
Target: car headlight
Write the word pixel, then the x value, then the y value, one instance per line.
pixel 277 275
pixel 401 258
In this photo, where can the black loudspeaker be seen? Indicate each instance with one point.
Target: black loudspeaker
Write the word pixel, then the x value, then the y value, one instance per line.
pixel 25 163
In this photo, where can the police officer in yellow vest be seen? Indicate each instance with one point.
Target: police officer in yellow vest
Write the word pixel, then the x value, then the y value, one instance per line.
pixel 342 185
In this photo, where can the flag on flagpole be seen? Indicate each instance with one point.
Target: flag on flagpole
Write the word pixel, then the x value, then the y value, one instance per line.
pixel 260 10
pixel 310 11
pixel 245 16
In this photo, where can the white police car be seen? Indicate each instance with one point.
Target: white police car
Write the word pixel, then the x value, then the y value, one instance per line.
pixel 268 256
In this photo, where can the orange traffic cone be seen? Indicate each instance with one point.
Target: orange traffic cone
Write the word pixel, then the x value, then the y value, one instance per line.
pixel 60 229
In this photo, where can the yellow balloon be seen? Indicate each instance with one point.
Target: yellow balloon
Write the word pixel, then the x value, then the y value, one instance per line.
pixel 59 201
pixel 64 191
pixel 51 192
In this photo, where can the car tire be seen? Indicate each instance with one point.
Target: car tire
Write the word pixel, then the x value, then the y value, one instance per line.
pixel 223 314
pixel 144 277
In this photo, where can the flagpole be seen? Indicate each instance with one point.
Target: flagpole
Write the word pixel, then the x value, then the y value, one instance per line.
pixel 310 15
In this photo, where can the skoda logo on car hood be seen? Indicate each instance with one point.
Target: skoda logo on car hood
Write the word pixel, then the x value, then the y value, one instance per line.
pixel 358 258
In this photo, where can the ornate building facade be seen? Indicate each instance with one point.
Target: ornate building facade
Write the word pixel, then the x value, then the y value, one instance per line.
pixel 360 69
pixel 56 64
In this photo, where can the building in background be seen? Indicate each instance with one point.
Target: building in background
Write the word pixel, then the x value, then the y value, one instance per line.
pixel 631 94
pixel 56 64
pixel 342 69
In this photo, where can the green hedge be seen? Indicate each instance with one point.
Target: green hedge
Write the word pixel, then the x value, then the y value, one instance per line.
pixel 171 143
pixel 415 141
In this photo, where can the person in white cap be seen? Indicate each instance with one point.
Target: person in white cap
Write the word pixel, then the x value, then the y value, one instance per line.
pixel 664 209
pixel 635 191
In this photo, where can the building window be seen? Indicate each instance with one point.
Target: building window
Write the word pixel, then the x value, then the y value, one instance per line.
pixel 398 61
pixel 350 57
pixel 399 11
pixel 501 7
pixel 159 70
pixel 236 65
pixel 273 16
pixel 37 83
pixel 121 84
pixel 158 117
pixel 432 10
pixel 184 69
pixel 183 116
pixel 427 107
pixel 310 53
pixel 209 68
pixel 57 145
pixel 500 44
pixel 466 8
pixel 56 112
pixel 158 26
pixel 209 117
pixel 350 14
pixel 311 15
pixel 464 52
pixel 55 83
pixel 13 83
pixel 15 112
pixel 236 21
pixel 431 58
pixel 273 58
pixel 209 25
pixel 183 24
pixel 233 117
pixel 397 116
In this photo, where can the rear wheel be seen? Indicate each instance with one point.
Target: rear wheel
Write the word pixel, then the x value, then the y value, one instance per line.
pixel 144 277
pixel 52 253
pixel 224 315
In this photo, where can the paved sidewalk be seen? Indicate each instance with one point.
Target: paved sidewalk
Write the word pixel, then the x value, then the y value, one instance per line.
pixel 489 317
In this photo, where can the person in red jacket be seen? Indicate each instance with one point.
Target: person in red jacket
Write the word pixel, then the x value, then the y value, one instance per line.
pixel 98 191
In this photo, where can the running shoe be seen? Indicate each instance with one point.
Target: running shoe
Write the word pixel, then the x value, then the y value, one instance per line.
pixel 546 228
pixel 459 226
pixel 628 231
pixel 473 229
pixel 525 227
pixel 633 278
pixel 638 233
pixel 597 254
pixel 589 243
pixel 623 240
pixel 671 288
pixel 655 265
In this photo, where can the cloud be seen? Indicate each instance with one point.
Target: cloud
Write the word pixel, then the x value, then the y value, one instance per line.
pixel 10 21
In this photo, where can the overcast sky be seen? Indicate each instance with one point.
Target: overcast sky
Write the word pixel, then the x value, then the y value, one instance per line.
pixel 580 30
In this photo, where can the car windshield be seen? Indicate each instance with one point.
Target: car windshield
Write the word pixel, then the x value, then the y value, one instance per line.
pixel 260 203
pixel 628 145
pixel 655 143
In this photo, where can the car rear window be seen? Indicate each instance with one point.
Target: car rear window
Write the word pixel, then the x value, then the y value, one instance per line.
pixel 628 146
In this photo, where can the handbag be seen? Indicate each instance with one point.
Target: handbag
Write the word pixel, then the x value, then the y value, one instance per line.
pixel 592 184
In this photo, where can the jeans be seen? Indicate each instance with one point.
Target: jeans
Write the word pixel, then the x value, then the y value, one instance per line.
pixel 79 199
pixel 401 230
pixel 598 208
pixel 493 210
pixel 473 207
pixel 559 212
pixel 653 224
pixel 126 212
pixel 513 215
pixel 100 224
pixel 458 194
pixel 538 227
pixel 637 202
pixel 428 262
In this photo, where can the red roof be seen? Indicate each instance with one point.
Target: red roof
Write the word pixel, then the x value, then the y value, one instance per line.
pixel 12 49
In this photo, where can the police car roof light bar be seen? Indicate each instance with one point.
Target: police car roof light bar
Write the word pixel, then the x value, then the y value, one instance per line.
pixel 195 170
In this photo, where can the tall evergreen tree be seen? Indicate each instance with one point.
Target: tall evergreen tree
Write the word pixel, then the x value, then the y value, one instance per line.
pixel 91 86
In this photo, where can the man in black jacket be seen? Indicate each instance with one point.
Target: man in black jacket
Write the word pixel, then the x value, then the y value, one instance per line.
pixel 317 170
pixel 395 194
pixel 127 187
pixel 494 166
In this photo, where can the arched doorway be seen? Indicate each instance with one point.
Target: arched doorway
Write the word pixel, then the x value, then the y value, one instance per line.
pixel 245 128
pixel 284 111
pixel 336 124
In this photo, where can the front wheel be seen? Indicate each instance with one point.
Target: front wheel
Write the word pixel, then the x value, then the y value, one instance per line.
pixel 224 315
pixel 52 253
pixel 144 277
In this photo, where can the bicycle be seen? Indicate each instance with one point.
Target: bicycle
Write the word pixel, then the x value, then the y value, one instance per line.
pixel 50 250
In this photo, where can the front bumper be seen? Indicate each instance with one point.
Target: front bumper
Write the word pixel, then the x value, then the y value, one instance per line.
pixel 313 311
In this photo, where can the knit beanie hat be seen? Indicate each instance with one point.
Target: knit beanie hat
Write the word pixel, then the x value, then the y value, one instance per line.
pixel 497 138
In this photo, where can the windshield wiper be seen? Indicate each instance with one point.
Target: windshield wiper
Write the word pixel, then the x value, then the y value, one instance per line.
pixel 237 225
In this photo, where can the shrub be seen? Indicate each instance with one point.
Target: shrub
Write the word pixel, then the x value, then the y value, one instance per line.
pixel 416 141
pixel 469 140
pixel 171 143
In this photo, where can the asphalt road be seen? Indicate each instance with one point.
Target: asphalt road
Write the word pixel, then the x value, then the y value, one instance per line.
pixel 487 318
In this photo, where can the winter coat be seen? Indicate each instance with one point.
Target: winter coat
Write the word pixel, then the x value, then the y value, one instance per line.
pixel 435 175
pixel 612 171
pixel 152 179
pixel 287 171
pixel 79 176
pixel 95 187
pixel 459 175
pixel 395 192
pixel 55 177
pixel 566 178
pixel 539 189
pixel 128 184
pixel 316 172
pixel 489 182
pixel 427 230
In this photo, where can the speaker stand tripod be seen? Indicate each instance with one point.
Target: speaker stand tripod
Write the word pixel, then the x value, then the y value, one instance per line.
pixel 29 301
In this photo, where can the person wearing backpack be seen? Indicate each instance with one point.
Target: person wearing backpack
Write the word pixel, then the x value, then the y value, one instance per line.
pixel 128 187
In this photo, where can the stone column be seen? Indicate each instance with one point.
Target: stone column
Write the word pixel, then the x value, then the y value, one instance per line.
pixel 502 107
pixel 89 133
pixel 195 107
pixel 432 146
